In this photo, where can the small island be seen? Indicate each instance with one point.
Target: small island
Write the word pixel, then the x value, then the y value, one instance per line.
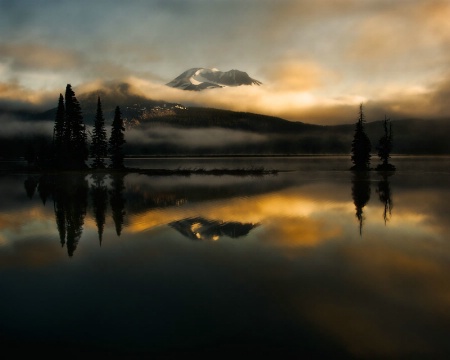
pixel 362 147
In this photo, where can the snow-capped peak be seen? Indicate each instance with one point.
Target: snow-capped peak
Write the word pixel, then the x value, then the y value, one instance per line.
pixel 204 78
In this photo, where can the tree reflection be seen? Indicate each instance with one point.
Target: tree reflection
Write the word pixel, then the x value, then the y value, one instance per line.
pixel 117 201
pixel 30 185
pixel 360 194
pixel 59 206
pixel 385 195
pixel 99 194
pixel 70 193
pixel 45 187
pixel 70 200
pixel 75 200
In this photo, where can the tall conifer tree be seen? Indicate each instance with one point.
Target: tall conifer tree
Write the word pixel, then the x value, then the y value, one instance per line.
pixel 117 140
pixel 75 131
pixel 59 133
pixel 385 146
pixel 361 146
pixel 99 144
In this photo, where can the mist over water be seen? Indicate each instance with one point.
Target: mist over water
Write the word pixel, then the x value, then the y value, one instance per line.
pixel 313 261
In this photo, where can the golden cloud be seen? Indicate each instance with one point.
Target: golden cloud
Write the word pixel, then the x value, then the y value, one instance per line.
pixel 17 94
pixel 39 57
pixel 403 35
pixel 435 15
pixel 295 75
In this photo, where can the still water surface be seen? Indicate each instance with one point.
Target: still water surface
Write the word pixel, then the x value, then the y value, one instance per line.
pixel 312 261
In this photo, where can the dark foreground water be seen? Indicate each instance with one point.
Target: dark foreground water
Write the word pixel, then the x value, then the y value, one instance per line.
pixel 308 262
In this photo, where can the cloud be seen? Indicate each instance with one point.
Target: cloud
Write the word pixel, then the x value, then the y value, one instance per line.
pixel 16 96
pixel 440 96
pixel 39 57
pixel 403 40
pixel 12 126
pixel 293 74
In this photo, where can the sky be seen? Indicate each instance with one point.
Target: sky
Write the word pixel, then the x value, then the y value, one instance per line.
pixel 317 59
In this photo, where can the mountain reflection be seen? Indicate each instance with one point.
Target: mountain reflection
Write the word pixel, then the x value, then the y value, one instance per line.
pixel 199 228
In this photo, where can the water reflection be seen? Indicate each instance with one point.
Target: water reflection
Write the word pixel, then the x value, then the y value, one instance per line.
pixel 360 194
pixel 71 194
pixel 75 193
pixel 99 195
pixel 361 191
pixel 70 202
pixel 290 273
pixel 385 195
pixel 117 201
pixel 30 185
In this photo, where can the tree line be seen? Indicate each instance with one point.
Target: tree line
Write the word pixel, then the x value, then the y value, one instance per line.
pixel 70 147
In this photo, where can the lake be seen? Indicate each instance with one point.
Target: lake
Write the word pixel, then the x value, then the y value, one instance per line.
pixel 311 261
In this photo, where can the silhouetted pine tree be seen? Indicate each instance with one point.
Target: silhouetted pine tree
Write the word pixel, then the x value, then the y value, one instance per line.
pixel 75 131
pixel 361 145
pixel 117 140
pixel 58 134
pixel 99 144
pixel 385 146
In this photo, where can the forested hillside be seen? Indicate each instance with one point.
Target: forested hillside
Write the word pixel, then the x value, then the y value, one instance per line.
pixel 156 127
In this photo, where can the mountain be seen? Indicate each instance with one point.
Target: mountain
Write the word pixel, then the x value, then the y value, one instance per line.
pixel 134 108
pixel 201 78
